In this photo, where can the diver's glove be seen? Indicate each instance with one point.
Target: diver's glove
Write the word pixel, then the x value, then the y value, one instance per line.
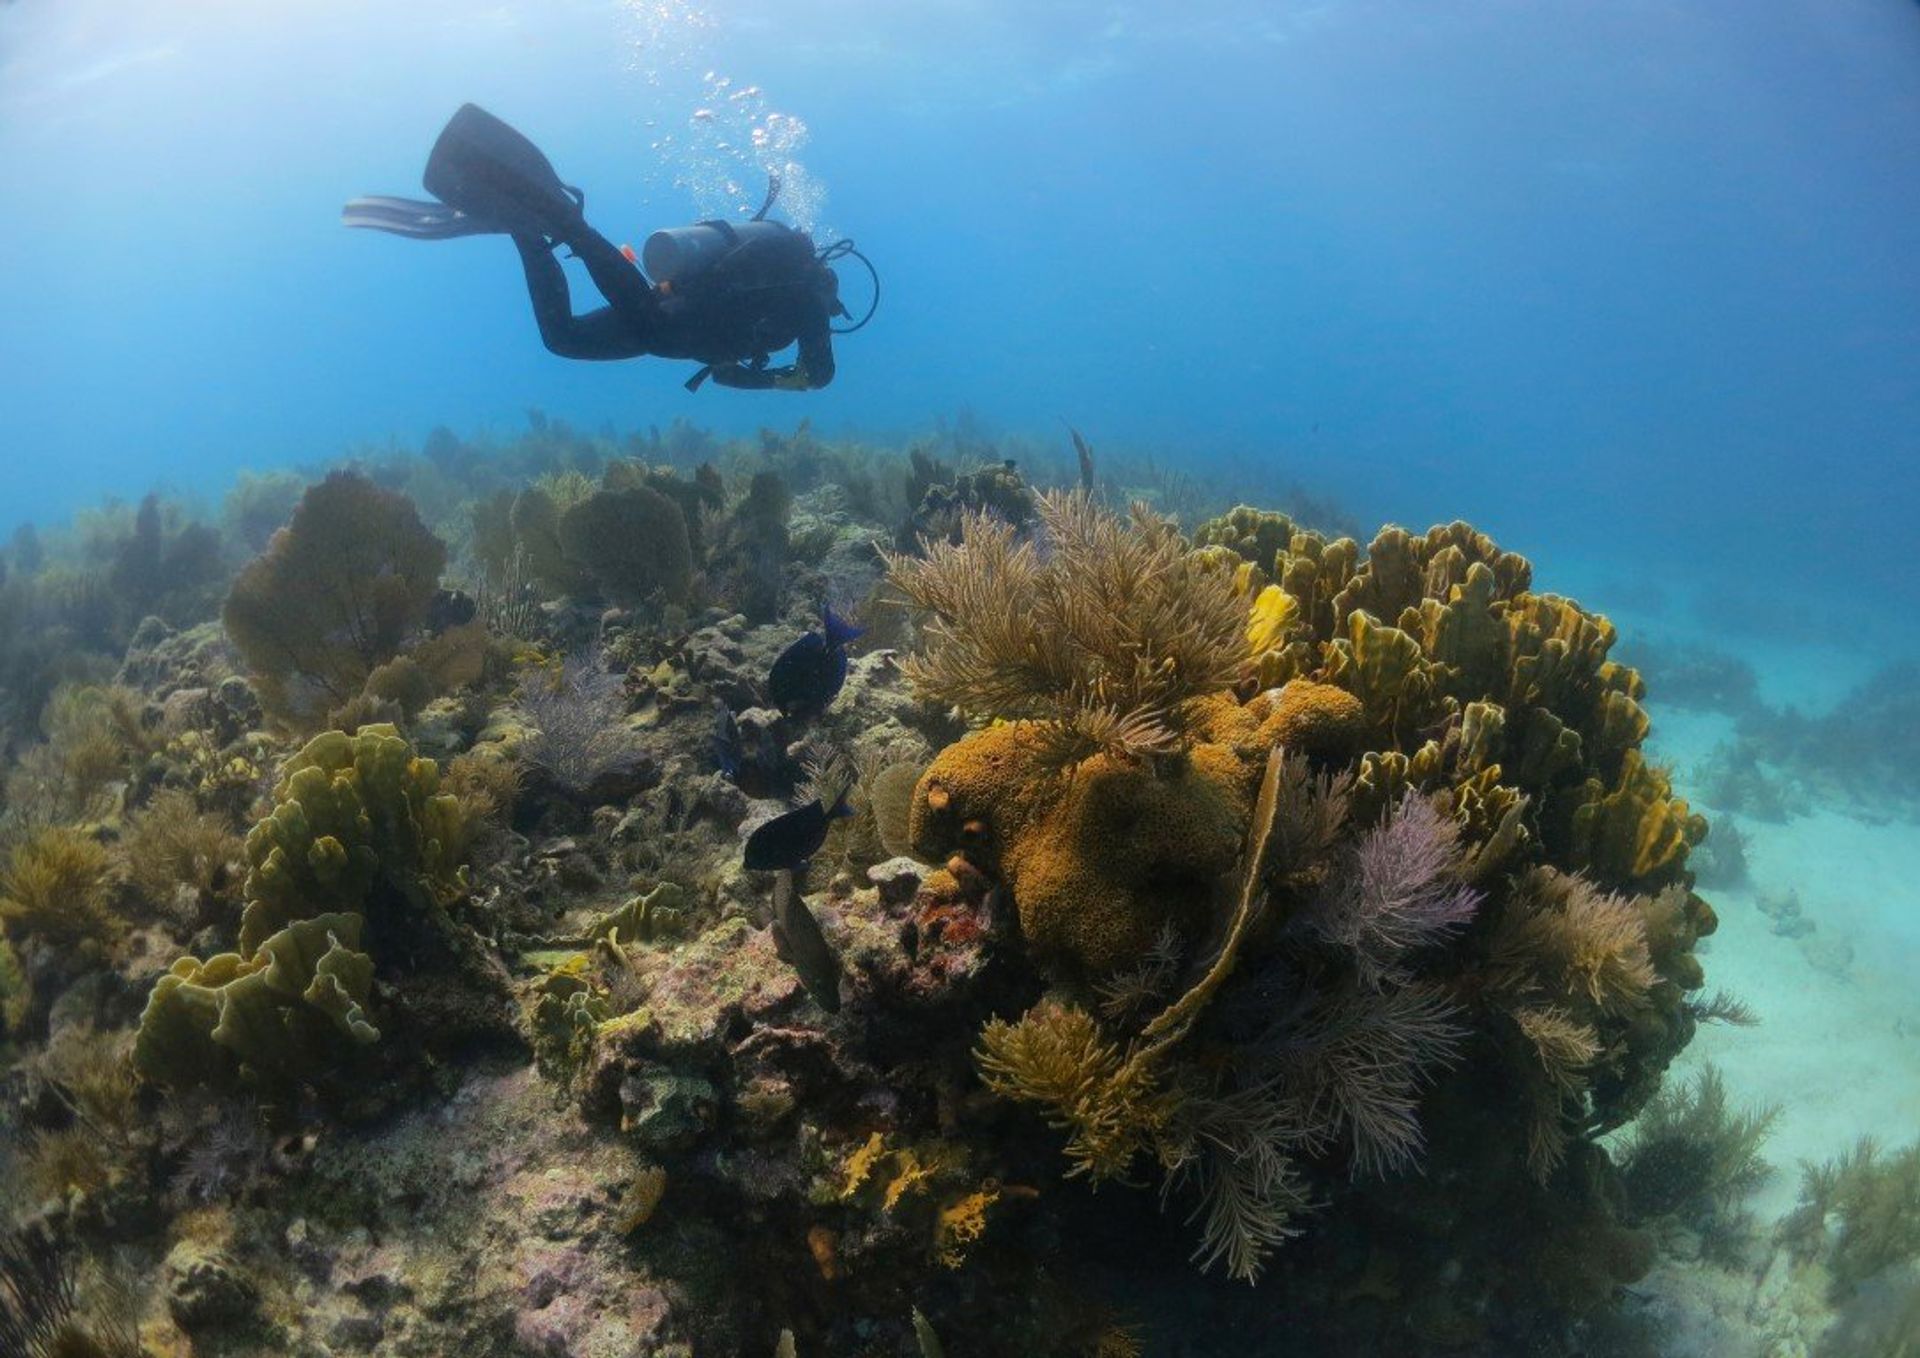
pixel 743 377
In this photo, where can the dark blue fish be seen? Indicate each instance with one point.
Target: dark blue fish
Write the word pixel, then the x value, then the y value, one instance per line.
pixel 786 842
pixel 808 675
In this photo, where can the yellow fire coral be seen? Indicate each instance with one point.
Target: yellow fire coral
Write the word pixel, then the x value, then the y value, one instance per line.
pixel 962 1222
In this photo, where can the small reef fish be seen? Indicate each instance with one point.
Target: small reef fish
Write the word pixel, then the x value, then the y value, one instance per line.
pixel 807 677
pixel 787 841
pixel 725 741
pixel 450 608
pixel 801 945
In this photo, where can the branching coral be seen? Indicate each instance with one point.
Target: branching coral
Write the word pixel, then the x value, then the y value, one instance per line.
pixel 1104 636
pixel 1233 1158
pixel 173 847
pixel 1397 895
pixel 334 596
pixel 1572 968
pixel 1577 940
pixel 1055 1056
pixel 1690 1148
pixel 1352 1064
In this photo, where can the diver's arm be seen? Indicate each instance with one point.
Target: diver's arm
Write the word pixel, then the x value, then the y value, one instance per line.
pixel 741 377
pixel 816 348
pixel 602 334
pixel 812 369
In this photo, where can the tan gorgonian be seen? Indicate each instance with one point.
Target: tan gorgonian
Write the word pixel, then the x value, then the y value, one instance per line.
pixel 1589 941
pixel 1565 958
pixel 173 845
pixel 1564 1048
pixel 1104 630
pixel 1110 1104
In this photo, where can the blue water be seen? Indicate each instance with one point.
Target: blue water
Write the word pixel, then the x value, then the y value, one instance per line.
pixel 1628 283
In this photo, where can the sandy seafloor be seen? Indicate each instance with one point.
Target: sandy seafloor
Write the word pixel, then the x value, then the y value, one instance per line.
pixel 1837 1047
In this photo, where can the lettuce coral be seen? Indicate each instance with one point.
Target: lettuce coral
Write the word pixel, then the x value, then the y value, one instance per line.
pixel 270 1020
pixel 350 813
pixel 360 847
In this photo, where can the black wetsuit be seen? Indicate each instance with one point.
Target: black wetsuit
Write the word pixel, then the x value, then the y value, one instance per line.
pixel 764 296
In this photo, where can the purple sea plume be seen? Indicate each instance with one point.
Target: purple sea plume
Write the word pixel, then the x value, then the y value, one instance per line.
pixel 1397 892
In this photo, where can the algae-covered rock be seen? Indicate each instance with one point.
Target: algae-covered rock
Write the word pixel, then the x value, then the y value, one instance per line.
pixel 206 1289
pixel 664 1110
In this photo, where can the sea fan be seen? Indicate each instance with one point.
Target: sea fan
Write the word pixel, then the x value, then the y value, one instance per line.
pixel 576 716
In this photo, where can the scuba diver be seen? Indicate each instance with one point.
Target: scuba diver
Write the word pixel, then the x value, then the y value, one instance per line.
pixel 725 294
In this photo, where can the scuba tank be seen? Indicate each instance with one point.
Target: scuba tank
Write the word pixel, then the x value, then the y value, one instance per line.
pixel 683 252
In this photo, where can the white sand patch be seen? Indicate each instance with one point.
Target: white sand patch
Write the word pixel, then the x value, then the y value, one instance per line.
pixel 1837 1048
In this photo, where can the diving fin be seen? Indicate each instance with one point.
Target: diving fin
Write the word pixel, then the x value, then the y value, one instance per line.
pixel 411 217
pixel 493 174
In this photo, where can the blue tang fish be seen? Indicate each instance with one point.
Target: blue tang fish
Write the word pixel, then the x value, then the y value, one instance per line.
pixel 787 841
pixel 808 675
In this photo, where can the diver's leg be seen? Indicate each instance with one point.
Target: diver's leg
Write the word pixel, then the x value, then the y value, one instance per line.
pixel 602 334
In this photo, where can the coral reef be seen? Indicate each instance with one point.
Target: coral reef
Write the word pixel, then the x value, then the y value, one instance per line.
pixel 1327 888
pixel 1487 853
